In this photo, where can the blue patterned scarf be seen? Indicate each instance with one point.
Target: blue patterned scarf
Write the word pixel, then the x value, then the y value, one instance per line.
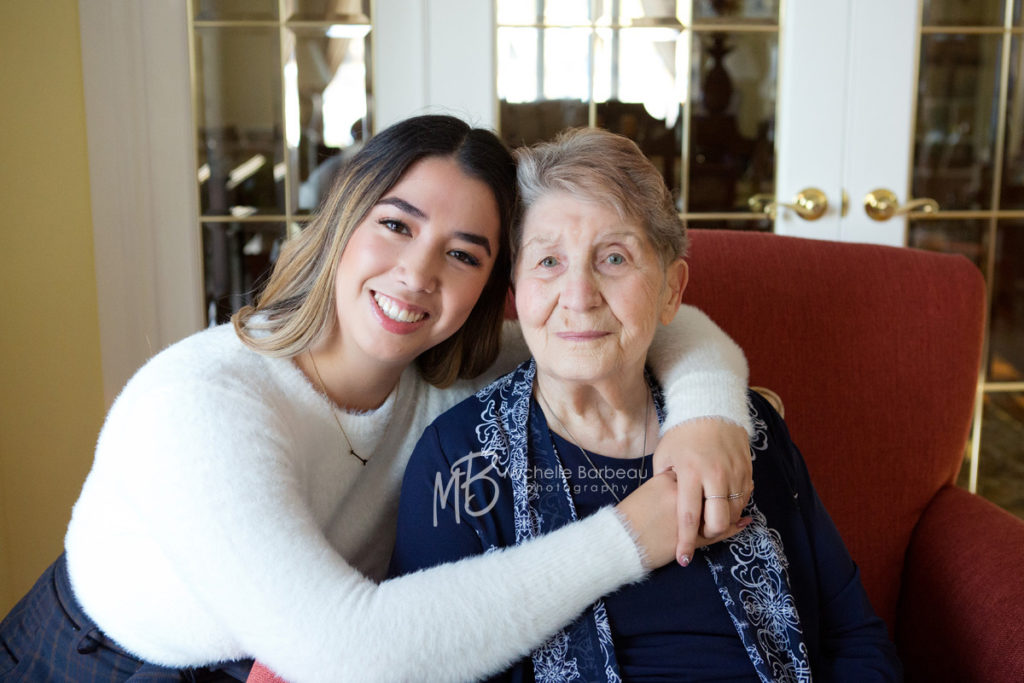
pixel 749 568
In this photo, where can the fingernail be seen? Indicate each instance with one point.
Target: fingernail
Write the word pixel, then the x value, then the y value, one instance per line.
pixel 684 560
pixel 744 523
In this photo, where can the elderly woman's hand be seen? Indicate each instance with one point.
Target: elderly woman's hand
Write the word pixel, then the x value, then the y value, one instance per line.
pixel 650 512
pixel 711 461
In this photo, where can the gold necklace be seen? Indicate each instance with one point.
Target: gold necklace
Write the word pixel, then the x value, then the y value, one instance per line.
pixel 330 406
pixel 597 470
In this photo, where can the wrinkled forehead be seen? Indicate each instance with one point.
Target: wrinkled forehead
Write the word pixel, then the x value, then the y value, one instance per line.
pixel 565 195
pixel 561 218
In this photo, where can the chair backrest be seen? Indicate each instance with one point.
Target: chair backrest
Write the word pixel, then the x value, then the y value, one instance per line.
pixel 874 351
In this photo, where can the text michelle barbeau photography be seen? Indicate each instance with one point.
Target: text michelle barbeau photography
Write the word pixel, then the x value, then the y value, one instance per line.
pixel 473 483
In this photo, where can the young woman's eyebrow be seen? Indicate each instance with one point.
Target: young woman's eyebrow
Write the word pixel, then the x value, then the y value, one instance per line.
pixel 475 239
pixel 403 205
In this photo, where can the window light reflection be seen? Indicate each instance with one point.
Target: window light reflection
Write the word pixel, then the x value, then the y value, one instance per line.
pixel 628 64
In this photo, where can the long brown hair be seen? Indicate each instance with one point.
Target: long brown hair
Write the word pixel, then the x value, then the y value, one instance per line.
pixel 297 308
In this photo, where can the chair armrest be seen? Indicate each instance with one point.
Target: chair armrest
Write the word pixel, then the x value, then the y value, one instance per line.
pixel 961 609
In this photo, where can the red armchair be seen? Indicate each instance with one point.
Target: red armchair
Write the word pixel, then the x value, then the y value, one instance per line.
pixel 874 352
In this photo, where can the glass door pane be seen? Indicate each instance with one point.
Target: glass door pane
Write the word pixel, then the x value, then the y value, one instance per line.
pixel 281 101
pixel 326 86
pixel 1011 192
pixel 237 257
pixel 349 11
pixel 731 143
pixel 240 121
pixel 230 10
pixel 959 13
pixel 641 69
pixel 736 10
pixel 957 116
pixel 544 82
pixel 640 92
pixel 1006 340
pixel 1001 470
pixel 967 155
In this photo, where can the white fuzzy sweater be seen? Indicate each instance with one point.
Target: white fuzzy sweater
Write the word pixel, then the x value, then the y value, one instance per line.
pixel 222 519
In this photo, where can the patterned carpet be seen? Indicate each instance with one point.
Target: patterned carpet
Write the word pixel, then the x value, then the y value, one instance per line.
pixel 1001 465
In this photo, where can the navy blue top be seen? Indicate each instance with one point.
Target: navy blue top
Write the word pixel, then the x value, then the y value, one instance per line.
pixel 672 626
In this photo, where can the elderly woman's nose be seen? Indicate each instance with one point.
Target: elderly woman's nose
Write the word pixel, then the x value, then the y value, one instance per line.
pixel 580 289
pixel 417 269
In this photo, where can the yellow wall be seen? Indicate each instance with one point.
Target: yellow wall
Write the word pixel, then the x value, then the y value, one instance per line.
pixel 51 397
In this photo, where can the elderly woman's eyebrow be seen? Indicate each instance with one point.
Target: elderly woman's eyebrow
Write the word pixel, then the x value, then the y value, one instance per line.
pixel 539 240
pixel 547 240
pixel 625 234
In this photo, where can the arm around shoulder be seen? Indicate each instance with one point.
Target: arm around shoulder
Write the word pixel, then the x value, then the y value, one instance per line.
pixel 703 371
pixel 294 603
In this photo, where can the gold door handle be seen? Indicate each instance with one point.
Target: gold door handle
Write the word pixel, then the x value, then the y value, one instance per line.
pixel 881 205
pixel 810 204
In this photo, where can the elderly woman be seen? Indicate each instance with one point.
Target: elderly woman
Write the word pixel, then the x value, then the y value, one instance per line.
pixel 598 266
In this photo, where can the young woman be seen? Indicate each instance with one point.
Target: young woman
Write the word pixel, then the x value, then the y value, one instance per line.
pixel 243 498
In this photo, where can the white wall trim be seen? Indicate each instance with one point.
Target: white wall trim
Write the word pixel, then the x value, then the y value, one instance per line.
pixel 135 68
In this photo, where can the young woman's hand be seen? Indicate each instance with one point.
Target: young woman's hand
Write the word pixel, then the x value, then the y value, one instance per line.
pixel 651 514
pixel 711 461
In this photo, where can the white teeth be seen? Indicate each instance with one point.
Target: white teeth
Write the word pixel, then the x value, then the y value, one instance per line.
pixel 394 312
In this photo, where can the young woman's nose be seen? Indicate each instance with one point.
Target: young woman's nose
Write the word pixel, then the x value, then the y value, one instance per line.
pixel 580 291
pixel 418 268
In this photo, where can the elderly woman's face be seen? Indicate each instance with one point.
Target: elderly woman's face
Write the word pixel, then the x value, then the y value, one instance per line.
pixel 590 289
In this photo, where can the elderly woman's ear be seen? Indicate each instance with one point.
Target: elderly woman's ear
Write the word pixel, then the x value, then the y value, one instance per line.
pixel 677 274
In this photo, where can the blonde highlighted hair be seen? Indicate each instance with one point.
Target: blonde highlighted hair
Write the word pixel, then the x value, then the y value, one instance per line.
pixel 297 309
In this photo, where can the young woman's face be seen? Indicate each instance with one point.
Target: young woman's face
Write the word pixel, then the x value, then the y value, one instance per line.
pixel 414 268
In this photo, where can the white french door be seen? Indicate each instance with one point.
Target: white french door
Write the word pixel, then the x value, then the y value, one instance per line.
pixel 847 77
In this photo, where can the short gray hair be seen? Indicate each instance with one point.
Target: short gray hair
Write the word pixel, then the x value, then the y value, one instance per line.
pixel 600 166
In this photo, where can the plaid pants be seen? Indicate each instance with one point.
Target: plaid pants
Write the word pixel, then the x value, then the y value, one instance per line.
pixel 47 637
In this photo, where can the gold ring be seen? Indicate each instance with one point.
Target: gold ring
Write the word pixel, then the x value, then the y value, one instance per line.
pixel 731 496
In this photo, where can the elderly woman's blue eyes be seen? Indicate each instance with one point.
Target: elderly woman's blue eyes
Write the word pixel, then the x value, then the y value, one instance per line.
pixel 615 259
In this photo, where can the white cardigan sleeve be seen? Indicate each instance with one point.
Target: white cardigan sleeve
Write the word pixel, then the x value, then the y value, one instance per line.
pixel 702 370
pixel 218 490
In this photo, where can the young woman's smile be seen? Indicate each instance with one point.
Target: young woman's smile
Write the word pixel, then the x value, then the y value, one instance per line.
pixel 395 311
